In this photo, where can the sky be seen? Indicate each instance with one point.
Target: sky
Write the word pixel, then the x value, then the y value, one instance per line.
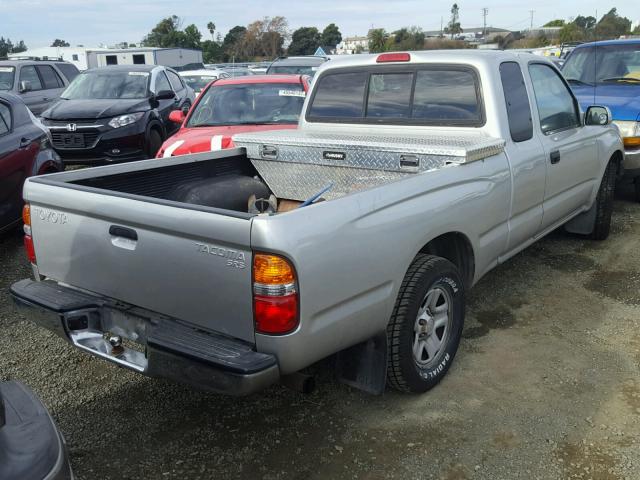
pixel 91 23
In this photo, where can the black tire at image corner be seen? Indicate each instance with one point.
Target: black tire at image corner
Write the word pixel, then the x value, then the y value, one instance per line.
pixel 426 272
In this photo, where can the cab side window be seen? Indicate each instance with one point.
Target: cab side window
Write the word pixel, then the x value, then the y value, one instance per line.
pixel 162 83
pixel 517 102
pixel 5 119
pixel 29 74
pixel 556 106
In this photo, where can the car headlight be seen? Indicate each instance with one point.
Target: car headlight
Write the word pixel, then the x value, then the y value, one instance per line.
pixel 124 120
pixel 630 132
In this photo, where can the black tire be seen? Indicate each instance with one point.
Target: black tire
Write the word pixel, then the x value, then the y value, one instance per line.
pixel 186 107
pixel 154 142
pixel 426 274
pixel 636 184
pixel 604 203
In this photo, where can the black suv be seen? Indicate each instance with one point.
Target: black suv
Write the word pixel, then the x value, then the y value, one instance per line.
pixel 38 83
pixel 116 113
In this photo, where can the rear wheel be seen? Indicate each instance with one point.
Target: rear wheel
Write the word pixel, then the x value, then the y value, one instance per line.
pixel 604 203
pixel 154 142
pixel 186 107
pixel 636 184
pixel 425 327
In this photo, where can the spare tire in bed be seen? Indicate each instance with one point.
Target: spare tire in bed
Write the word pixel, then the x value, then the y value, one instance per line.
pixel 230 192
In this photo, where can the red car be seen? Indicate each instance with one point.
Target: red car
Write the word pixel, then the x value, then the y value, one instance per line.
pixel 234 105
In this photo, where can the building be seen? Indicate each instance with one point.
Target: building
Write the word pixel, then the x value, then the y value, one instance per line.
pixel 474 34
pixel 84 58
pixel 76 55
pixel 169 57
pixel 352 45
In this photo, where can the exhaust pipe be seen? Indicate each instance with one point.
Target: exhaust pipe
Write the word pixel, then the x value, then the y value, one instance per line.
pixel 300 382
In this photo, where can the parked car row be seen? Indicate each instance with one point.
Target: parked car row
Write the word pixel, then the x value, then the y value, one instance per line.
pixel 437 165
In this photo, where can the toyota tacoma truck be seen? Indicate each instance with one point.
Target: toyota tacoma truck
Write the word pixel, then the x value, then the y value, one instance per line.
pixel 355 237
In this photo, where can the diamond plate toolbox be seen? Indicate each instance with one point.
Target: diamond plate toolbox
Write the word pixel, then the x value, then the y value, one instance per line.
pixel 297 164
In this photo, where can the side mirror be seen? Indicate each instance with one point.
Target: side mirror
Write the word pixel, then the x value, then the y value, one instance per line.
pixel 25 86
pixel 597 115
pixel 165 95
pixel 177 116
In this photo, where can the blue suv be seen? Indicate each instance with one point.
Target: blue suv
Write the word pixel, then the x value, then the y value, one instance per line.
pixel 608 73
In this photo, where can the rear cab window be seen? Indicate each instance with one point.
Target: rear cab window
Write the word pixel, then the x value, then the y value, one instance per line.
pixel 68 70
pixel 50 77
pixel 438 95
pixel 7 77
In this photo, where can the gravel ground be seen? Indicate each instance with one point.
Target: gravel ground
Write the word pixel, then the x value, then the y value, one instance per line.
pixel 545 385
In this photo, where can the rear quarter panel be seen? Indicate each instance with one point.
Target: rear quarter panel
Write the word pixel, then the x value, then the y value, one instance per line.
pixel 352 253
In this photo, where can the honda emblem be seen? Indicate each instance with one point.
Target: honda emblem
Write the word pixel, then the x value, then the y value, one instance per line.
pixel 71 127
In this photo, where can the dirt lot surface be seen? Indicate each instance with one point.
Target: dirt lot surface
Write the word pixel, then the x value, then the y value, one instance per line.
pixel 545 385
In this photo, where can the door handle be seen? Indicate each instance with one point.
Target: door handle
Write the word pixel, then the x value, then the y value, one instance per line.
pixel 24 142
pixel 124 232
pixel 555 157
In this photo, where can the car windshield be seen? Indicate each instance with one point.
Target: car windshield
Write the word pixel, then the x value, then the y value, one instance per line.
pixel 108 85
pixel 293 70
pixel 249 104
pixel 198 82
pixel 604 64
pixel 7 75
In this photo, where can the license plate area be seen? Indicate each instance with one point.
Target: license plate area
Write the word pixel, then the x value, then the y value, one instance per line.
pixel 112 334
pixel 73 140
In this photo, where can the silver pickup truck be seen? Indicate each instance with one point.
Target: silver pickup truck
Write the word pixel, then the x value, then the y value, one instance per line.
pixel 411 176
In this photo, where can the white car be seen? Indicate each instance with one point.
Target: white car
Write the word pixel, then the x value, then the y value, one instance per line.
pixel 198 79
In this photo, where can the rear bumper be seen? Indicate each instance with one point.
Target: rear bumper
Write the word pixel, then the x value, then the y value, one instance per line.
pixel 30 444
pixel 154 345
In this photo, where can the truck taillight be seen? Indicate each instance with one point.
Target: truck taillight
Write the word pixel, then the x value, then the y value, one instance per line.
pixel 28 239
pixel 275 295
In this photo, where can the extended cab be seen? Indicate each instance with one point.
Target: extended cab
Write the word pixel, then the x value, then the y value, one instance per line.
pixel 410 177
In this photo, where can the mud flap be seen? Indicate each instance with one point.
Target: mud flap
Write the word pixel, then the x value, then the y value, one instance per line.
pixel 364 366
pixel 584 223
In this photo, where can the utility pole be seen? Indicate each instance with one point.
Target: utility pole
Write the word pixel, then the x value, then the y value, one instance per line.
pixel 531 12
pixel 441 20
pixel 485 11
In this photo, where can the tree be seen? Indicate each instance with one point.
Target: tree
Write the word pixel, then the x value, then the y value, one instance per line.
pixel 585 23
pixel 377 39
pixel 453 27
pixel 304 41
pixel 212 28
pixel 406 39
pixel 212 52
pixel 273 36
pixel 231 42
pixel 331 35
pixel 555 23
pixel 636 31
pixel 164 34
pixel 191 38
pixel 612 25
pixel 60 43
pixel 6 47
pixel 167 34
pixel 571 32
pixel 19 47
